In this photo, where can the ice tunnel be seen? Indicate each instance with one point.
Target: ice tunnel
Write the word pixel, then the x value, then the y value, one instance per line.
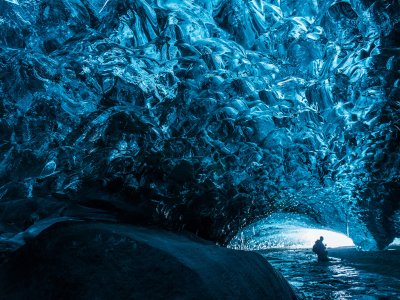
pixel 203 116
pixel 287 231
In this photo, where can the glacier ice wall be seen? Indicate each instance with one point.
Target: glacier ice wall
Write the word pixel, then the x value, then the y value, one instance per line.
pixel 201 115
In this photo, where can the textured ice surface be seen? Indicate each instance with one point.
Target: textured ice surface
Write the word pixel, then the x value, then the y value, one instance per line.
pixel 203 115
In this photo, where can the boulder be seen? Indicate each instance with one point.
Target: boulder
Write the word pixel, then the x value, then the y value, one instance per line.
pixel 92 260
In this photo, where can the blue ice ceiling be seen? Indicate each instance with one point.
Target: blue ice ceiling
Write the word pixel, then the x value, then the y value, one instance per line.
pixel 201 115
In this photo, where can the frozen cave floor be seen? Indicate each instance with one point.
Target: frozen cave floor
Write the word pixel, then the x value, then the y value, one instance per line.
pixel 350 274
pixel 94 260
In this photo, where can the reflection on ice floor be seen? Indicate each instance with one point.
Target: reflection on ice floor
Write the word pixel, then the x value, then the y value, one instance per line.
pixel 349 275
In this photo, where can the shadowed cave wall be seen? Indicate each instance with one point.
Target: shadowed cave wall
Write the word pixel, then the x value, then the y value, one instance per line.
pixel 201 115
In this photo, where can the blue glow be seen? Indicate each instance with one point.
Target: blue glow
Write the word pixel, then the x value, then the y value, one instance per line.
pixel 396 242
pixel 292 237
pixel 202 115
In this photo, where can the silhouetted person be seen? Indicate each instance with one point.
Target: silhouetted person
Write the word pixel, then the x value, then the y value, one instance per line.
pixel 320 249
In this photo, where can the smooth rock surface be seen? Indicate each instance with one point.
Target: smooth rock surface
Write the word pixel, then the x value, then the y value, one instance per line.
pixel 84 260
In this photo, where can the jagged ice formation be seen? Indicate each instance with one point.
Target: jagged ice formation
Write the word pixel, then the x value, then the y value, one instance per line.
pixel 200 115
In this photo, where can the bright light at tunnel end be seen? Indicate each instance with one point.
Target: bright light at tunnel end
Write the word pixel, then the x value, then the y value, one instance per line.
pixel 290 237
pixel 331 238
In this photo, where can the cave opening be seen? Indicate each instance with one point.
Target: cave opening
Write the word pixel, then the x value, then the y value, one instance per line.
pixel 291 237
pixel 283 231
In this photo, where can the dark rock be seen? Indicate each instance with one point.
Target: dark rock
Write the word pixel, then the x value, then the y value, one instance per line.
pixel 79 260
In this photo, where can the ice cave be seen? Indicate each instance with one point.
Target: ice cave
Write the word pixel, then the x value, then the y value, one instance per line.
pixel 196 149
